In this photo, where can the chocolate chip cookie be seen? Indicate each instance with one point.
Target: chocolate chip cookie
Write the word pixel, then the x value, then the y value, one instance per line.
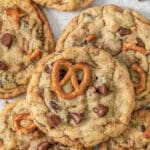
pixel 80 96
pixel 25 37
pixel 65 5
pixel 20 133
pixel 136 137
pixel 124 33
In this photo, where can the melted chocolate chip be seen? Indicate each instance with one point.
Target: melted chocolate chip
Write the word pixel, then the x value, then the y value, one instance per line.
pixel 124 31
pixel 54 120
pixel 6 39
pixel 142 128
pixel 140 43
pixel 54 105
pixel 44 145
pixel 76 117
pixel 3 66
pixel 101 110
pixel 48 69
pixel 103 89
pixel 62 73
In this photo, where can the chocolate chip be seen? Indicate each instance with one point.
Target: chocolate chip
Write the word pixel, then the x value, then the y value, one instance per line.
pixel 124 31
pixel 44 145
pixel 54 105
pixel 3 66
pixel 6 39
pixel 101 110
pixel 48 69
pixel 140 43
pixel 142 128
pixel 103 89
pixel 54 120
pixel 76 117
pixel 62 73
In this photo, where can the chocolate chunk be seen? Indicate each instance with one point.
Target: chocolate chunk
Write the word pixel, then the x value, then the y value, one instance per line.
pixel 62 73
pixel 124 31
pixel 140 43
pixel 6 39
pixel 44 145
pixel 54 105
pixel 101 110
pixel 3 66
pixel 48 69
pixel 76 117
pixel 103 89
pixel 54 120
pixel 142 128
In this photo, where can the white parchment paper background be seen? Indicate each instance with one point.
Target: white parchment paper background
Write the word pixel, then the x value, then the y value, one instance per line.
pixel 58 20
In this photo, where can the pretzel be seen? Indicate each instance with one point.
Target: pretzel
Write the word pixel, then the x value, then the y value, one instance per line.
pixel 90 37
pixel 17 120
pixel 133 46
pixel 57 84
pixel 35 54
pixel 140 87
pixel 147 133
pixel 15 13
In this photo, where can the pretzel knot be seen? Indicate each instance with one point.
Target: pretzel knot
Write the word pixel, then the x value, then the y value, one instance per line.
pixel 17 123
pixel 57 84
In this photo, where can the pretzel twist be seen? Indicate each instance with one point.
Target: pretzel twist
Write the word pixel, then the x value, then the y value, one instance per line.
pixel 17 120
pixel 140 87
pixel 57 84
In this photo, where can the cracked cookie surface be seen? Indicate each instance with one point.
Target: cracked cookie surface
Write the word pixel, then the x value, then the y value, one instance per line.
pixel 12 138
pixel 137 135
pixel 65 5
pixel 80 96
pixel 25 37
pixel 124 33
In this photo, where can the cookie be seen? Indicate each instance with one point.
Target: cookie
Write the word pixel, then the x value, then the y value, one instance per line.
pixel 79 96
pixel 124 33
pixel 65 5
pixel 20 133
pixel 25 37
pixel 137 135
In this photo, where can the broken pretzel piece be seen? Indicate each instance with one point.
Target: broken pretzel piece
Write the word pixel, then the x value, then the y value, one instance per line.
pixel 15 13
pixel 140 87
pixel 35 54
pixel 90 37
pixel 133 46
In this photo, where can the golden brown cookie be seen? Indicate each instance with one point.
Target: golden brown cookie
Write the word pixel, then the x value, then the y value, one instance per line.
pixel 136 137
pixel 65 5
pixel 18 132
pixel 124 33
pixel 25 37
pixel 80 96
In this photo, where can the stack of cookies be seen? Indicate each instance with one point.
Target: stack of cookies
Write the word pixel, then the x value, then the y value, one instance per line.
pixel 92 88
